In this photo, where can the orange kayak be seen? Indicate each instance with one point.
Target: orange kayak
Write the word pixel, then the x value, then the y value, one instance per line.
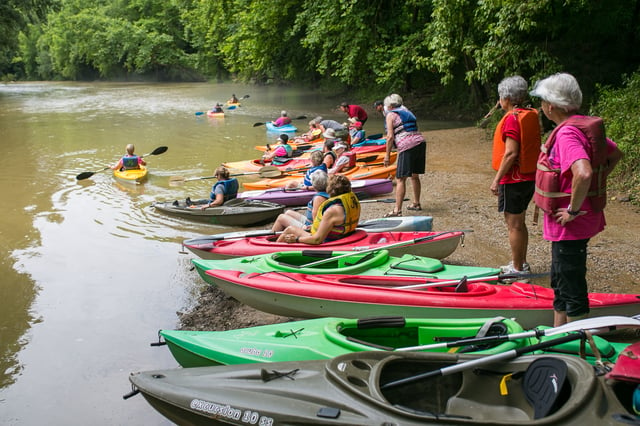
pixel 371 171
pixel 302 162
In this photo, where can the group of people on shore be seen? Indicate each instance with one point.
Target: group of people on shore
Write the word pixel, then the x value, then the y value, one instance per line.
pixel 566 177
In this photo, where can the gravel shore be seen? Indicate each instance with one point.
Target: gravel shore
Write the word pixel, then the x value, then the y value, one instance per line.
pixel 455 191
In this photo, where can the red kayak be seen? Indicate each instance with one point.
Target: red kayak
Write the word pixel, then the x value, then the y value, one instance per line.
pixel 309 296
pixel 433 244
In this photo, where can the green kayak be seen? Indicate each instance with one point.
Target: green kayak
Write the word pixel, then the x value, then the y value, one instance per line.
pixel 323 338
pixel 378 263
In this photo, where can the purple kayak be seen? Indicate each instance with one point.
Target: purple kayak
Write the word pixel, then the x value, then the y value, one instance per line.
pixel 365 188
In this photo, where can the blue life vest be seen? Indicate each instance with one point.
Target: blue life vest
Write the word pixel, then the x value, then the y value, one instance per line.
pixel 229 189
pixel 409 121
pixel 309 220
pixel 130 162
pixel 307 176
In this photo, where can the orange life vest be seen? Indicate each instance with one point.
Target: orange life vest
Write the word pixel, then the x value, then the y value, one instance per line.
pixel 529 140
pixel 547 195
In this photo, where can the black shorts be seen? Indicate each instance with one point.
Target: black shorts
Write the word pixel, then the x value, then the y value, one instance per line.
pixel 412 161
pixel 514 198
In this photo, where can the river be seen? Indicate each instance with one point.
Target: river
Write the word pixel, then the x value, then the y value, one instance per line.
pixel 91 271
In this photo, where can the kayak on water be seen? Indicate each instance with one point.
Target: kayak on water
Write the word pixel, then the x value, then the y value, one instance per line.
pixel 285 129
pixel 134 176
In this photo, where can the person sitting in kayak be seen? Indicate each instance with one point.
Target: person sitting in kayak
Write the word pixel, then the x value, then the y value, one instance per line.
pixel 329 157
pixel 283 149
pixel 218 109
pixel 224 190
pixel 129 161
pixel 356 132
pixel 304 221
pixel 315 163
pixel 346 159
pixel 283 120
pixel 336 218
pixel 233 99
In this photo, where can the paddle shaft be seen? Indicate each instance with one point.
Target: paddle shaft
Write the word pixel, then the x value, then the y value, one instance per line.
pixel 584 324
pixel 470 280
pixel 467 365
pixel 385 247
pixel 85 175
pixel 212 238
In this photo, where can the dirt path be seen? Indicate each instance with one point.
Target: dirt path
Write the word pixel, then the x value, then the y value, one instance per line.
pixel 455 191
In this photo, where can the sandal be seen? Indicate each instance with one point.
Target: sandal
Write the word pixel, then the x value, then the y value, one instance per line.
pixel 415 207
pixel 393 213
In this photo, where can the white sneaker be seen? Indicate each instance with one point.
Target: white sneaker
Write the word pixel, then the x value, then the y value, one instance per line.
pixel 509 269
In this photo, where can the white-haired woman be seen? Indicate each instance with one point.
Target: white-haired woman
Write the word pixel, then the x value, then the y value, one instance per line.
pixel 402 131
pixel 516 146
pixel 283 120
pixel 571 189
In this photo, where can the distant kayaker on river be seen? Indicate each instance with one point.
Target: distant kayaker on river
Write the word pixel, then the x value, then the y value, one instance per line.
pixel 233 99
pixel 516 146
pixel 129 161
pixel 283 120
pixel 292 218
pixel 571 190
pixel 337 217
pixel 224 190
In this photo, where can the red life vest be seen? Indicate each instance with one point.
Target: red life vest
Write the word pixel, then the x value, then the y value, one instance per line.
pixel 529 140
pixel 547 195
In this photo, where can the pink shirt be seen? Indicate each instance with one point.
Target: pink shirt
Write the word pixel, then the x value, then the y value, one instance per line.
pixel 282 121
pixel 405 140
pixel 572 145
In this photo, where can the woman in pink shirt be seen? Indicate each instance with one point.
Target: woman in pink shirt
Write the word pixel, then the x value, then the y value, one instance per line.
pixel 577 215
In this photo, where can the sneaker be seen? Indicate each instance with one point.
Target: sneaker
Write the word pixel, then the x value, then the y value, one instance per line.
pixel 509 269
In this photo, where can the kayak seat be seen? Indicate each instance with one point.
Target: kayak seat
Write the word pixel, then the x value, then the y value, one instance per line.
pixel 545 385
pixel 412 263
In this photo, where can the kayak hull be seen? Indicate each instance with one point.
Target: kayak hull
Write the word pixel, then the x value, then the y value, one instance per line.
pixel 368 171
pixel 325 338
pixel 287 128
pixel 397 224
pixel 378 264
pixel 133 176
pixel 366 188
pixel 302 161
pixel 235 212
pixel 215 114
pixel 311 296
pixel 347 390
pixel 439 245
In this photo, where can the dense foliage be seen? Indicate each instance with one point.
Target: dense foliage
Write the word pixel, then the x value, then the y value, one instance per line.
pixel 620 108
pixel 445 52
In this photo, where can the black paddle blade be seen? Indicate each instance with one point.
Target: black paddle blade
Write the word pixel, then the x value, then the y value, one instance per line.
pixel 245 97
pixel 84 175
pixel 301 117
pixel 257 124
pixel 159 150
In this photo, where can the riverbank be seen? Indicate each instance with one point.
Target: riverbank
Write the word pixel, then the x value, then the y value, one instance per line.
pixel 455 191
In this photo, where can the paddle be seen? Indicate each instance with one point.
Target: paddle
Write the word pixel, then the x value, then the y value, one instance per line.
pixel 485 119
pixel 385 247
pixel 472 280
pixel 593 325
pixel 208 239
pixel 265 172
pixel 300 117
pixel 85 175
pixel 230 107
pixel 383 200
pixel 537 333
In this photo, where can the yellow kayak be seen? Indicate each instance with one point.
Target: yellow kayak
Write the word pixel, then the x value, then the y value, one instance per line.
pixel 135 176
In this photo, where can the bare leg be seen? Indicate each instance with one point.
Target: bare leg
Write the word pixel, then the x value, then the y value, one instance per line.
pixel 518 238
pixel 416 186
pixel 559 318
pixel 400 191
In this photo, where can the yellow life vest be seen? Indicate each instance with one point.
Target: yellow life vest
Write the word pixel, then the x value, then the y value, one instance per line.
pixel 529 143
pixel 351 206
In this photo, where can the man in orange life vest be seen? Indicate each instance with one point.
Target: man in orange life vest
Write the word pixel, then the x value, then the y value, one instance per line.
pixel 516 146
pixel 571 184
